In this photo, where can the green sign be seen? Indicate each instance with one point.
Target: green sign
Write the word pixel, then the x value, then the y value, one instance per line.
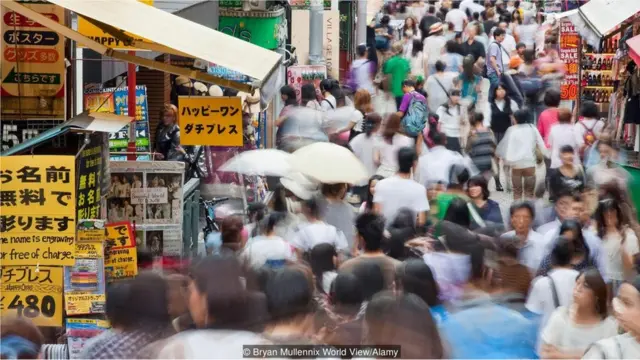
pixel 14 77
pixel 261 31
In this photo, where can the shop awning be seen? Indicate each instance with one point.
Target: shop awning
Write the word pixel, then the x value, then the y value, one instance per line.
pixel 598 18
pixel 634 49
pixel 166 31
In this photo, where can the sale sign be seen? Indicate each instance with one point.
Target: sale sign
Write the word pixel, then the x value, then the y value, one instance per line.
pixel 569 42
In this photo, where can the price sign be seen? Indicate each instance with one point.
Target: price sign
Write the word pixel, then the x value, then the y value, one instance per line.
pixel 34 292
pixel 569 40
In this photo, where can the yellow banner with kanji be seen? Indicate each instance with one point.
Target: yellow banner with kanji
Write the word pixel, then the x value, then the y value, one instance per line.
pixel 37 210
pixel 34 292
pixel 214 121
pixel 121 259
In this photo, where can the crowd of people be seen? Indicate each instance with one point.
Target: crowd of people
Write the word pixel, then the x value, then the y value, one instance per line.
pixel 467 95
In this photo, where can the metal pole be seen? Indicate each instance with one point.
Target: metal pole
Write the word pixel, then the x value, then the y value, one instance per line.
pixel 131 104
pixel 316 32
pixel 361 30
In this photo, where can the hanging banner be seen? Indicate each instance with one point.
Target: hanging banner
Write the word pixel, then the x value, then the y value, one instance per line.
pixel 84 282
pixel 90 166
pixel 80 331
pixel 98 35
pixel 34 292
pixel 121 256
pixel 299 75
pixel 32 55
pixel 37 210
pixel 569 41
pixel 206 120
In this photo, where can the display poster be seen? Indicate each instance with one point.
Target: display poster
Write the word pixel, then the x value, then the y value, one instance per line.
pixel 146 192
pixel 98 35
pixel 121 259
pixel 79 331
pixel 37 210
pixel 90 166
pixel 207 120
pixel 32 55
pixel 299 75
pixel 569 42
pixel 34 292
pixel 115 100
pixel 84 283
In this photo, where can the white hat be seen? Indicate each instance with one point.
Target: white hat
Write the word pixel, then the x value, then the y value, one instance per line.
pixel 215 90
pixel 300 185
pixel 250 103
pixel 200 87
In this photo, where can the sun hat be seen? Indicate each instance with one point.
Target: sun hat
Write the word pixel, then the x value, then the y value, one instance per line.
pixel 183 81
pixel 215 90
pixel 300 185
pixel 437 27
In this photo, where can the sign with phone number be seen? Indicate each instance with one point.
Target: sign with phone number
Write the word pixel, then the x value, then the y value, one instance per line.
pixel 34 292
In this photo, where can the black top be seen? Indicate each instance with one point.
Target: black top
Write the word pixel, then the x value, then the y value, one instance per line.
pixel 475 48
pixel 501 119
pixel 559 183
pixel 425 24
pixel 488 25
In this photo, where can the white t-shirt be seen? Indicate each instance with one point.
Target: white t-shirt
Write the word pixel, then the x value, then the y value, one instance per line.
pixel 561 135
pixel 389 153
pixel 562 333
pixel 540 299
pixel 611 244
pixel 457 17
pixel 341 117
pixel 313 234
pixel 433 46
pixel 363 147
pixel 394 193
pixel 417 64
pixel 450 120
pixel 472 6
pixel 533 251
pixel 437 95
pixel 434 165
pixel 263 249
pixel 362 72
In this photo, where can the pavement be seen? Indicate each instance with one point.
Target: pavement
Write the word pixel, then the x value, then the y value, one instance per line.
pixel 505 198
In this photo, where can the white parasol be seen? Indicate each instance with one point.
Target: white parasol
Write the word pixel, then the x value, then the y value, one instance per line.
pixel 329 163
pixel 261 162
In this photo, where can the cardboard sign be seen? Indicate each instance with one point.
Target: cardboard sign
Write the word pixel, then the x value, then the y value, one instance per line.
pixel 34 292
pixel 122 256
pixel 214 121
pixel 37 210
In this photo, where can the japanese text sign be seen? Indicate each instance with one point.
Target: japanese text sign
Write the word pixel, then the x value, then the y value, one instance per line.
pixel 96 34
pixel 34 292
pixel 569 41
pixel 214 121
pixel 32 55
pixel 90 164
pixel 37 220
pixel 121 261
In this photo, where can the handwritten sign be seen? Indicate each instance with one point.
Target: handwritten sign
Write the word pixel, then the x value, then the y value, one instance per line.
pixel 569 41
pixel 121 261
pixel 34 292
pixel 37 210
pixel 215 121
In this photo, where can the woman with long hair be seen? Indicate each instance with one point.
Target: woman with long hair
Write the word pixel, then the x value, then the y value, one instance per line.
pixel 410 28
pixel 367 204
pixel 417 59
pixel 385 154
pixel 619 241
pixel 167 144
pixel 450 118
pixel 469 82
pixel 345 120
pixel 571 330
pixel 501 111
pixel 363 146
pixel 416 277
pixel 488 209
pixel 323 258
pixel 402 229
pixel 309 97
pixel 569 176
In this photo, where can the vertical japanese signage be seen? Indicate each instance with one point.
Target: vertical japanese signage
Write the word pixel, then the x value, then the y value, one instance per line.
pixel 96 34
pixel 122 256
pixel 215 121
pixel 569 41
pixel 90 165
pixel 37 210
pixel 34 292
pixel 32 55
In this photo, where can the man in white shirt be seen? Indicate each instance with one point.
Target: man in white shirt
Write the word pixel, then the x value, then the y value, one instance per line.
pixel 434 165
pixel 433 45
pixel 457 17
pixel 400 191
pixel 532 247
pixel 471 6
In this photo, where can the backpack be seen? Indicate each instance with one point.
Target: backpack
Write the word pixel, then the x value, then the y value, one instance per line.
pixel 589 137
pixel 415 117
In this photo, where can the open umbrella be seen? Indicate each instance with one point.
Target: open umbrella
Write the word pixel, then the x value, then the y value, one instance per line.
pixel 329 163
pixel 261 162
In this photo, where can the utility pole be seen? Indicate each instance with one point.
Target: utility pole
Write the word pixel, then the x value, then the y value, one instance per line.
pixel 361 29
pixel 316 32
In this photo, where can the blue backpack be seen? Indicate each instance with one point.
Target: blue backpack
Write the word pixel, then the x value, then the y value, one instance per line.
pixel 415 118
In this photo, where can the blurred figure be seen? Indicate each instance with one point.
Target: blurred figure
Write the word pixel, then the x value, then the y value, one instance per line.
pixel 363 147
pixel 495 60
pixel 438 85
pixel 472 47
pixel 268 248
pixel 434 45
pixel 178 296
pixel 316 232
pixel 451 58
pixel 323 259
pixel 627 311
pixel 416 277
pixel 138 311
pixel 568 176
pixel 571 330
pixel 345 311
pixel 362 70
pixel 385 153
pixel 401 230
pixel 418 60
pixel 309 97
pixel 470 84
pixel 510 275
pixel 451 116
pixel 19 339
pixel 367 204
pixel 404 320
pixel 481 146
pixel 563 134
pixel 396 69
pixel 336 211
